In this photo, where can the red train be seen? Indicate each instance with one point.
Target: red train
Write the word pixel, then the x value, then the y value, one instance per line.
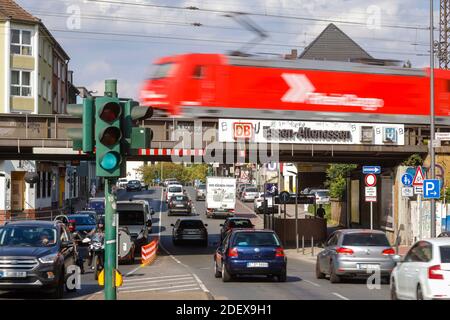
pixel 214 85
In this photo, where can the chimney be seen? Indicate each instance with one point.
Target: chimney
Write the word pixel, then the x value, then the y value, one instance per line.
pixel 292 56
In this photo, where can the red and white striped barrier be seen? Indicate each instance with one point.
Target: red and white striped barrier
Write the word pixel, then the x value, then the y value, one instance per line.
pixel 148 252
pixel 171 152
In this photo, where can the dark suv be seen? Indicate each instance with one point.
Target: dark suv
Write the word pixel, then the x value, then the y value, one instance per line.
pixel 36 255
pixel 134 185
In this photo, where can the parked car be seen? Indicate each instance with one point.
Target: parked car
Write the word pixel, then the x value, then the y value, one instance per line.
pixel 233 223
pixel 249 194
pixel 258 206
pixel 189 230
pixel 240 188
pixel 85 223
pixel 250 252
pixel 134 185
pixel 174 190
pixel 180 204
pixel 122 183
pixel 354 253
pixel 200 192
pixel 424 273
pixel 322 195
pixel 36 255
pixel 97 205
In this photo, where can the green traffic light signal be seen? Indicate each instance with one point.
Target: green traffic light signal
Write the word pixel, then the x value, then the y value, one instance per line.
pixel 108 134
pixel 83 139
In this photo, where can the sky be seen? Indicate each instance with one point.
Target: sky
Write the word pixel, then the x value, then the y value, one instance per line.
pixel 120 39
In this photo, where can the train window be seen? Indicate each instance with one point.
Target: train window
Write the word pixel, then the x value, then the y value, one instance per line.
pixel 162 70
pixel 199 72
pixel 448 86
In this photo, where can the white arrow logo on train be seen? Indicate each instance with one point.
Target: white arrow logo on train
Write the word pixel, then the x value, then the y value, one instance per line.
pixel 299 87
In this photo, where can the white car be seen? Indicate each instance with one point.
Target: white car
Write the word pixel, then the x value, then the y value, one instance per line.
pixel 174 190
pixel 424 273
pixel 322 195
pixel 249 194
pixel 258 203
pixel 122 183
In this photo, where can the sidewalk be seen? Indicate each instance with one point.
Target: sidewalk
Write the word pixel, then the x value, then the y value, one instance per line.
pixel 153 296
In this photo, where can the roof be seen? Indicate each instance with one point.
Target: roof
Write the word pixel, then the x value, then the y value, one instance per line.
pixel 439 241
pixel 333 44
pixel 11 10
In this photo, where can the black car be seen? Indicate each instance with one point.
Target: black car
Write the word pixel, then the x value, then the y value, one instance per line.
pixel 189 230
pixel 134 185
pixel 36 255
pixel 233 223
pixel 181 204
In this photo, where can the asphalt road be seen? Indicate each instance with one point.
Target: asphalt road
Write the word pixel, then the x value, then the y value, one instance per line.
pixel 188 269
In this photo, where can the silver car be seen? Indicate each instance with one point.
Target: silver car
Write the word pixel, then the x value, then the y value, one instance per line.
pixel 249 194
pixel 355 253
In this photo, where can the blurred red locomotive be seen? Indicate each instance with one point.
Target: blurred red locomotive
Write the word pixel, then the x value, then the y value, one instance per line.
pixel 215 85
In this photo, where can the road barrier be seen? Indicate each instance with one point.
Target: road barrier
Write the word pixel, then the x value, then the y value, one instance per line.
pixel 148 252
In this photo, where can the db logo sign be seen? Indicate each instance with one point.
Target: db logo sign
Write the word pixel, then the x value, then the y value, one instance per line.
pixel 242 130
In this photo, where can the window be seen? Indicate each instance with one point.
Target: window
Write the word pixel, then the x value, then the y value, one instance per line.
pixel 421 252
pixel 44 189
pixel 365 240
pixel 199 72
pixel 49 184
pixel 38 189
pixel 41 46
pixel 21 42
pixel 20 83
pixel 445 254
pixel 49 91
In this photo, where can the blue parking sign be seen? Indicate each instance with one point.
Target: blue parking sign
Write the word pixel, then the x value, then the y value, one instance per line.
pixel 431 189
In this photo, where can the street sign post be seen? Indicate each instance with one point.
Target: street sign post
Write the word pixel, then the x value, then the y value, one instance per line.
pixel 431 189
pixel 371 193
pixel 371 169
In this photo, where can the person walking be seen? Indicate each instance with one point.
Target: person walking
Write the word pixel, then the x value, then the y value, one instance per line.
pixel 320 212
pixel 93 190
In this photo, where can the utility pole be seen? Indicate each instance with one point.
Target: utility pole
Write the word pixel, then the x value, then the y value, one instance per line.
pixel 432 127
pixel 444 34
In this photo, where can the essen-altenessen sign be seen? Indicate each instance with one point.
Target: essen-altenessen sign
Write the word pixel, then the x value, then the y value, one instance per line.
pixel 306 132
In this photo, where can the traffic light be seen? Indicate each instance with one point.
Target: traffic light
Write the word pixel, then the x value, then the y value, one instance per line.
pixel 83 138
pixel 136 137
pixel 108 133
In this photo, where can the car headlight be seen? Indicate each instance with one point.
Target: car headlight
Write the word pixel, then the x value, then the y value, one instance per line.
pixel 51 258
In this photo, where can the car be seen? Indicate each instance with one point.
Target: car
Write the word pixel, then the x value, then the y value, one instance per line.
pixel 134 185
pixel 85 223
pixel 258 206
pixel 200 192
pixel 92 213
pixel 36 255
pixel 189 230
pixel 169 181
pixel 97 205
pixel 250 252
pixel 355 253
pixel 240 188
pixel 174 190
pixel 232 223
pixel 249 194
pixel 122 183
pixel 181 204
pixel 322 195
pixel 444 234
pixel 424 273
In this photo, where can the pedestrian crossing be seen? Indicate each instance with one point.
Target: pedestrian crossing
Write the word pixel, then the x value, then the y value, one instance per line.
pixel 172 283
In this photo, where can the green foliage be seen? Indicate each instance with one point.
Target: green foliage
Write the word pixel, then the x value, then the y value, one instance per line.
pixel 414 160
pixel 447 194
pixel 172 170
pixel 336 179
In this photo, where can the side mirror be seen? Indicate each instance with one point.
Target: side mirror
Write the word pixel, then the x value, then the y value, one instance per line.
pixel 397 258
pixel 172 225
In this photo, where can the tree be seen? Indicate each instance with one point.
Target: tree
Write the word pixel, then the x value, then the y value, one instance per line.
pixel 336 179
pixel 414 160
pixel 180 172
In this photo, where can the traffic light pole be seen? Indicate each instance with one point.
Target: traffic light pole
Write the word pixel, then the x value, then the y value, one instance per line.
pixel 110 240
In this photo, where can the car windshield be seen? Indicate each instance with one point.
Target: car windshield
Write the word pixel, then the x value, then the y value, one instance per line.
pixel 27 236
pixel 97 205
pixel 241 224
pixel 175 189
pixel 162 70
pixel 251 190
pixel 255 239
pixel 134 182
pixel 83 220
pixel 179 198
pixel 202 186
pixel 127 218
pixel 191 224
pixel 322 193
pixel 445 254
pixel 365 240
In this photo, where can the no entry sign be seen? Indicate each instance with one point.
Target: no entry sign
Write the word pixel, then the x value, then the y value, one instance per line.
pixel 371 180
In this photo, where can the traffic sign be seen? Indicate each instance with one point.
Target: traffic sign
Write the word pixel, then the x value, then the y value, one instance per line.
pixel 284 197
pixel 407 191
pixel 418 177
pixel 371 180
pixel 445 136
pixel 371 194
pixel 431 189
pixel 418 190
pixel 407 179
pixel 371 169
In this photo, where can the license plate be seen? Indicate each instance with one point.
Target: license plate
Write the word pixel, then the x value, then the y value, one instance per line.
pixel 180 205
pixel 13 274
pixel 257 265
pixel 369 266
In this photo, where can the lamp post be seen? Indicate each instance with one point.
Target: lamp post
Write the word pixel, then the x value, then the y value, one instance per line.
pixel 432 129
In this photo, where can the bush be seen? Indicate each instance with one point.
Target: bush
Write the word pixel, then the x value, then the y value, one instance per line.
pixel 336 179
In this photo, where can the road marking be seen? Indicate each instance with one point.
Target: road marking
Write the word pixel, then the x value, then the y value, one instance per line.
pixel 158 280
pixel 162 277
pixel 132 271
pixel 161 288
pixel 312 283
pixel 200 283
pixel 169 286
pixel 178 290
pixel 340 296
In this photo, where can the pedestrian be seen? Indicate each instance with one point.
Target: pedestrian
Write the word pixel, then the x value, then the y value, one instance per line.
pixel 93 190
pixel 320 212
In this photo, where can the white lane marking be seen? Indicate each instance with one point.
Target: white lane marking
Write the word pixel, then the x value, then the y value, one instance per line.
pixel 162 277
pixel 340 296
pixel 159 280
pixel 132 271
pixel 200 283
pixel 149 286
pixel 161 288
pixel 193 289
pixel 312 283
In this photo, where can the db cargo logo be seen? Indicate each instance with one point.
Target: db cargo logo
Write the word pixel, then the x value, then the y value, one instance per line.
pixel 242 130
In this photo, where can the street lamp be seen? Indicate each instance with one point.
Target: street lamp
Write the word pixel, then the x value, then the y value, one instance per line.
pixel 432 129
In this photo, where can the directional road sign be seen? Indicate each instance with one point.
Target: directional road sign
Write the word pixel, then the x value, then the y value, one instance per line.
pixel 284 197
pixel 407 179
pixel 371 169
pixel 431 189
